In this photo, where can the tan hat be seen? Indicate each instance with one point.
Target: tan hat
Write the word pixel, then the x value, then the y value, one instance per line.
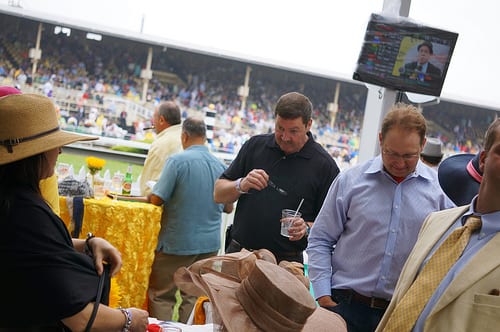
pixel 432 148
pixel 297 269
pixel 252 294
pixel 29 126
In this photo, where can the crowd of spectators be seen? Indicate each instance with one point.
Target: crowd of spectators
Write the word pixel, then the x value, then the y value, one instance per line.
pixel 91 70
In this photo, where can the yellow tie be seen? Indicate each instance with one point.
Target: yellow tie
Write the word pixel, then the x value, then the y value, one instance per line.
pixel 405 314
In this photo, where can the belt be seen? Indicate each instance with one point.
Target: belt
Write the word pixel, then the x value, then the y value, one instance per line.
pixel 351 296
pixel 289 253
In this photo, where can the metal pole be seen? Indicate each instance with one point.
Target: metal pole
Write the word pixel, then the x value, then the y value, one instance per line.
pixel 246 88
pixel 335 106
pixel 37 48
pixel 147 74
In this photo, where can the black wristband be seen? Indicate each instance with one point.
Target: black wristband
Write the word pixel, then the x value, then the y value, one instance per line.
pixel 88 249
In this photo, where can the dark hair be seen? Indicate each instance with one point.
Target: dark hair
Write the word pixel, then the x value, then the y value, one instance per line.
pixel 433 160
pixel 428 44
pixel 194 127
pixel 491 133
pixel 293 105
pixel 25 172
pixel 407 117
pixel 170 111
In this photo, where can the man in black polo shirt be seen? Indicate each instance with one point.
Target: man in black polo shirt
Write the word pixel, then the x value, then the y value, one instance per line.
pixel 273 172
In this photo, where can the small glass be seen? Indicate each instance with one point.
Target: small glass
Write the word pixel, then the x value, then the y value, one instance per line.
pixel 99 191
pixel 117 183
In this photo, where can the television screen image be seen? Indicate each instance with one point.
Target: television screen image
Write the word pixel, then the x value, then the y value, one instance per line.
pixel 403 55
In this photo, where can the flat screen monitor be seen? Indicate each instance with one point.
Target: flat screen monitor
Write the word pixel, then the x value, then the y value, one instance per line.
pixel 400 54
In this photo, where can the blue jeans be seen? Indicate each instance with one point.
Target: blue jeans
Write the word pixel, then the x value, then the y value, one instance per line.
pixel 358 316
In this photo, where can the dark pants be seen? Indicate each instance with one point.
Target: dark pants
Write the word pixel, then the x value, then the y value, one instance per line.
pixel 234 246
pixel 359 317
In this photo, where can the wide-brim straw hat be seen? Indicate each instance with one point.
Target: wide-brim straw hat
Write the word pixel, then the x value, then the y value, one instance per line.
pixel 29 126
pixel 252 294
pixel 460 176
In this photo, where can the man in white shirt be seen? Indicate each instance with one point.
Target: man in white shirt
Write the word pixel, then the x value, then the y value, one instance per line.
pixel 167 124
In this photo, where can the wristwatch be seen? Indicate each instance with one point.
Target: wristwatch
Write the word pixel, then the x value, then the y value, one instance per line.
pixel 308 229
pixel 238 188
pixel 88 249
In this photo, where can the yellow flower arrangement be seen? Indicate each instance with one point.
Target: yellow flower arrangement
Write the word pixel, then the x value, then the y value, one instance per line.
pixel 95 164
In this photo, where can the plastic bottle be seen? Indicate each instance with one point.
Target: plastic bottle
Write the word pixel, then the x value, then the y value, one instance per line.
pixel 127 182
pixel 81 174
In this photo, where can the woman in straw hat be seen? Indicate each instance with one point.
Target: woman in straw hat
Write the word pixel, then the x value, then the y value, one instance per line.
pixel 48 186
pixel 50 281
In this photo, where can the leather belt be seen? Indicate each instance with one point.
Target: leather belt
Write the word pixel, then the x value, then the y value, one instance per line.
pixel 351 296
pixel 290 253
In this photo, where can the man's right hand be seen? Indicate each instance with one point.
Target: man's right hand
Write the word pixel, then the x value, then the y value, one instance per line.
pixel 326 301
pixel 226 191
pixel 256 179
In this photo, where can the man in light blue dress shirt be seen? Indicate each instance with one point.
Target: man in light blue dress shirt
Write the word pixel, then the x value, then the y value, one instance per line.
pixel 369 222
pixel 467 298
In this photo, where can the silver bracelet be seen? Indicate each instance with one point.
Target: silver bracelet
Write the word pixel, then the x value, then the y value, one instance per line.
pixel 128 319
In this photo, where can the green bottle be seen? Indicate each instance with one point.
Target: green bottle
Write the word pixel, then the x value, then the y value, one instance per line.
pixel 127 182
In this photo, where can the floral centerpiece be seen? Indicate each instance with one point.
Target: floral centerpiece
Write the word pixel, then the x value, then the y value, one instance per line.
pixel 94 165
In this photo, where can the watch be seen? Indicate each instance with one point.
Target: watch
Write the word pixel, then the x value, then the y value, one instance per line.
pixel 238 188
pixel 88 249
pixel 308 229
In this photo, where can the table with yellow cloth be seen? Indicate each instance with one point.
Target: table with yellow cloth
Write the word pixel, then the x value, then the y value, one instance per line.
pixel 133 229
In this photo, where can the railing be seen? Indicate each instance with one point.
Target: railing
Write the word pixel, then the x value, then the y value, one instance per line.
pixel 101 148
pixel 71 101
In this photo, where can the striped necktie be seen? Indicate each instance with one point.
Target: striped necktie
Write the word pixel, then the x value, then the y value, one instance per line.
pixel 406 312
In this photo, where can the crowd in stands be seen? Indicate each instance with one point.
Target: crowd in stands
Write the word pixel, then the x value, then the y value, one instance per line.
pixel 461 129
pixel 91 70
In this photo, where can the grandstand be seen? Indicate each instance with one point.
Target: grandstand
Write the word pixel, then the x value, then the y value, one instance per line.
pixel 88 78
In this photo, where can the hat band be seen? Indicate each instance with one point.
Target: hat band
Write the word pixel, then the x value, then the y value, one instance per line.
pixel 473 172
pixel 262 314
pixel 9 143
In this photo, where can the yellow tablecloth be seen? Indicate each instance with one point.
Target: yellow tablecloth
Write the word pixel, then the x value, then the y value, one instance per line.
pixel 133 229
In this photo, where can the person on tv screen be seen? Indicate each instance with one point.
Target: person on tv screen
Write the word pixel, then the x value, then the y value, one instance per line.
pixel 422 69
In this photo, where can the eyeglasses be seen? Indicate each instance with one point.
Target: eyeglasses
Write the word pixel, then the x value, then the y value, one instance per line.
pixel 405 157
pixel 278 189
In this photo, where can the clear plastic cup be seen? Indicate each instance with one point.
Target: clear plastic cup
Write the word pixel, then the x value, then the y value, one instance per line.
pixel 290 216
